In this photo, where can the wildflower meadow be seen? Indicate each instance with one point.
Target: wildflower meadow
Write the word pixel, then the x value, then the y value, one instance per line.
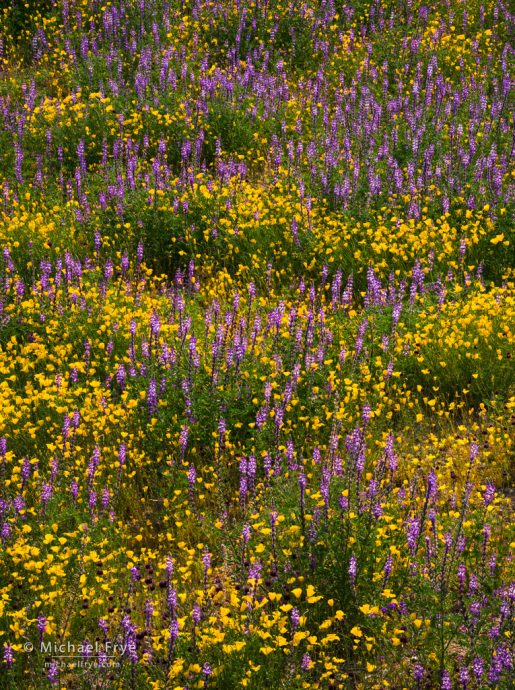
pixel 257 309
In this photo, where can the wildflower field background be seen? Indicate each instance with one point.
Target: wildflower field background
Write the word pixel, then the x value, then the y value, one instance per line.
pixel 257 314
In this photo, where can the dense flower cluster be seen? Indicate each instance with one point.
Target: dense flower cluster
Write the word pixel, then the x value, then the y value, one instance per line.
pixel 256 329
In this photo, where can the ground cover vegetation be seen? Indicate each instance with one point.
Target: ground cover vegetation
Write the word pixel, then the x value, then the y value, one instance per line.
pixel 256 336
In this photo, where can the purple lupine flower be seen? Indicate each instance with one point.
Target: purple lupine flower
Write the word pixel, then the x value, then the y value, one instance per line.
pixel 87 649
pixel 155 324
pixel 183 440
pixel 462 574
pixel 5 531
pixel 149 610
pixel 474 452
pixel 221 429
pixel 169 567
pixel 358 346
pixel 255 571
pixel 53 673
pixel 354 442
pixel 475 609
pixel 294 232
pixel 19 504
pixel 121 375
pixel 196 614
pixel 122 454
pixel 97 242
pixel 139 253
pixel 387 570
pixel 106 496
pixel 152 397
pixel 127 624
pixel 42 624
pixel 93 465
pixel 207 670
pixel 125 263
pixel 360 463
pixel 494 632
pixel 251 470
pixel 487 531
pixel 192 478
pixel 325 485
pixel 46 494
pixel 261 417
pixel 353 564
pixel 504 657
pixel 489 494
pixel 174 630
pixel 446 683
pixel 243 481
pixel 66 428
pixel 412 534
pixel 25 471
pixel 132 648
pixel 8 655
pixel 391 457
pixel 478 668
pixel 432 484
pixel 447 542
pixel 396 314
pixel 302 485
pixel 306 663
pixel 108 270
pixel 473 584
pixel 418 673
pixel 495 670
